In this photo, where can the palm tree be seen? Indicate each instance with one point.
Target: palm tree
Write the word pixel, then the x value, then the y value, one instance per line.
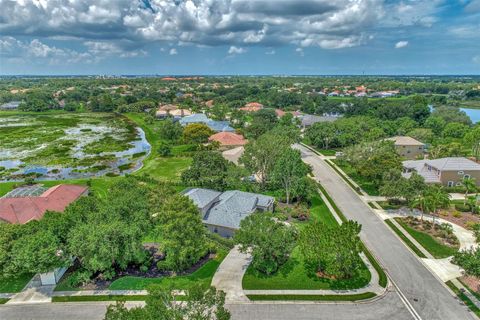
pixel 437 198
pixel 422 202
pixel 470 185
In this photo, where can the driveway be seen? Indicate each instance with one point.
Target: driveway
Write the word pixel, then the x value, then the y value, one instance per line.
pixel 428 297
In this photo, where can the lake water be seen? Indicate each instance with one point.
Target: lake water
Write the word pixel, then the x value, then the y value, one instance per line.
pixel 473 114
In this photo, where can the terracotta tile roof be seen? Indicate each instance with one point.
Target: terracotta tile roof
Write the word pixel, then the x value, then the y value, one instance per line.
pixel 280 113
pixel 228 139
pixel 25 209
pixel 252 107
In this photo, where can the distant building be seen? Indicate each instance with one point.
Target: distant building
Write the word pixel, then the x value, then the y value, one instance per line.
pixel 308 120
pixel 222 212
pixel 217 126
pixel 10 105
pixel 233 155
pixel 17 209
pixel 252 107
pixel 449 172
pixel 228 139
pixel 408 147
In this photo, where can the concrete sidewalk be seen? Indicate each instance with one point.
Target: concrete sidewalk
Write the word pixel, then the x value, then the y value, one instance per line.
pixel 33 292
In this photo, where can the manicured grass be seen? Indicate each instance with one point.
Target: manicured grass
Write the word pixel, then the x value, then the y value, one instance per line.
pixel 3 300
pixel 462 296
pixel 332 203
pixel 367 185
pixel 405 239
pixel 203 275
pixel 388 206
pixel 476 294
pixel 168 169
pixel 100 298
pixel 294 274
pixel 351 297
pixel 435 248
pixel 12 285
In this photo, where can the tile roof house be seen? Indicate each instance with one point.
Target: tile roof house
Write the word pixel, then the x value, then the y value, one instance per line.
pixel 446 171
pixel 252 107
pixel 222 212
pixel 24 209
pixel 408 147
pixel 228 139
pixel 233 155
pixel 217 126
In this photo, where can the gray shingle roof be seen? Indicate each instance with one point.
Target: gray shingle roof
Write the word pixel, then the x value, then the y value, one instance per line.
pixel 444 164
pixel 230 208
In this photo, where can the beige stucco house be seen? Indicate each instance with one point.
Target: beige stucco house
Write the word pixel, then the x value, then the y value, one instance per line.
pixel 446 171
pixel 407 147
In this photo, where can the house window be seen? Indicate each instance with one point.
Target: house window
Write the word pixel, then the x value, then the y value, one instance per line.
pixel 460 173
pixel 450 183
pixel 466 176
pixel 215 230
pixel 458 184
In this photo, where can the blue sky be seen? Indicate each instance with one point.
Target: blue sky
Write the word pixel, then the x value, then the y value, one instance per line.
pixel 47 37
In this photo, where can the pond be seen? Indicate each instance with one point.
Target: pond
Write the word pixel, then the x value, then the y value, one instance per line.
pixel 69 146
pixel 473 114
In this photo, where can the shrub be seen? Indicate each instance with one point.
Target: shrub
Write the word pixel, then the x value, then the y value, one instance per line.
pixel 457 214
pixel 79 277
pixel 462 208
pixel 164 265
pixel 164 150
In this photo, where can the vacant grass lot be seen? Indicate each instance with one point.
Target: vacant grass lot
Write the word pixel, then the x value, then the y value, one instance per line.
pixel 294 274
pixel 436 249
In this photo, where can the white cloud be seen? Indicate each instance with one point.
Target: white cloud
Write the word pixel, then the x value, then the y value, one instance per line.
pixel 173 52
pixel 270 52
pixel 236 50
pixel 323 23
pixel 476 59
pixel 401 44
pixel 300 51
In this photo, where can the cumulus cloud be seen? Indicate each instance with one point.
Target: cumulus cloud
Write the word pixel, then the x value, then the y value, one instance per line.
pixel 323 23
pixel 236 50
pixel 173 52
pixel 401 44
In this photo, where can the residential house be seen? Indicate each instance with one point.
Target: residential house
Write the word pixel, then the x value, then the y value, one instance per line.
pixel 446 171
pixel 18 209
pixel 252 107
pixel 233 155
pixel 408 147
pixel 222 212
pixel 217 126
pixel 10 105
pixel 228 140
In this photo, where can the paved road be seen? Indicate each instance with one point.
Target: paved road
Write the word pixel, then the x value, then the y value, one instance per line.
pixel 389 307
pixel 428 296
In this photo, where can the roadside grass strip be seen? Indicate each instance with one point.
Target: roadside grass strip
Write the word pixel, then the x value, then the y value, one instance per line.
pixel 405 239
pixel 13 285
pixel 476 294
pixel 99 298
pixel 436 249
pixel 3 300
pixel 350 297
pixel 334 167
pixel 463 297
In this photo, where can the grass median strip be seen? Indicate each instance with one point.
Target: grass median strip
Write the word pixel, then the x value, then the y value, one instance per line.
pixel 350 297
pixel 99 298
pixel 405 239
pixel 334 167
pixel 462 296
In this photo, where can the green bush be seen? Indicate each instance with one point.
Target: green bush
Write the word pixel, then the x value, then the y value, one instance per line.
pixel 462 207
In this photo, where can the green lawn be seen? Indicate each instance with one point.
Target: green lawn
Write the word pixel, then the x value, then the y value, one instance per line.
pixel 367 185
pixel 99 298
pixel 12 285
pixel 3 300
pixel 435 248
pixel 462 296
pixel 405 239
pixel 294 274
pixel 348 297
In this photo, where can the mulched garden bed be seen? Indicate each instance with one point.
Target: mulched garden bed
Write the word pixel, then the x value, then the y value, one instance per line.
pixel 472 282
pixel 439 234
pixel 463 219
pixel 98 283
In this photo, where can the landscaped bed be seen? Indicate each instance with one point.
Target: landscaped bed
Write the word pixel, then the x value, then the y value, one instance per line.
pixel 437 240
pixel 203 274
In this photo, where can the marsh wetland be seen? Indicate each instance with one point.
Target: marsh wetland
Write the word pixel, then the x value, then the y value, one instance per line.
pixel 53 146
